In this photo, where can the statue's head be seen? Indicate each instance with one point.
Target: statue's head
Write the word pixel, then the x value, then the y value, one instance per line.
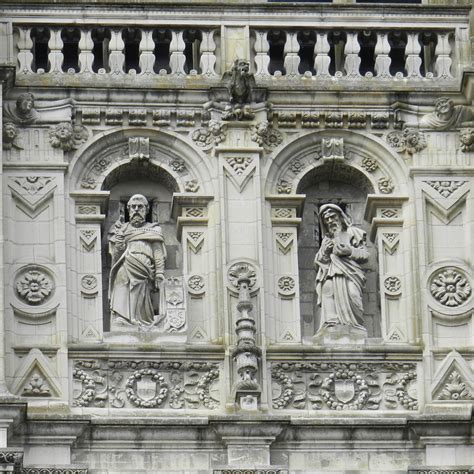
pixel 138 208
pixel 444 107
pixel 333 219
pixel 9 132
pixel 241 66
pixel 25 103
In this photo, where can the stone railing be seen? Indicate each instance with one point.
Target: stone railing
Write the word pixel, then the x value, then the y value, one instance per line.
pixel 116 51
pixel 369 54
pixel 309 55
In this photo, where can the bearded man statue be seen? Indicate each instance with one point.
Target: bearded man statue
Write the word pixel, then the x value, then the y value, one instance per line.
pixel 340 278
pixel 138 261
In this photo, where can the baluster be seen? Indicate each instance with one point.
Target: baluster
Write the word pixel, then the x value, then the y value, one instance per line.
pixel 412 55
pixel 207 61
pixel 55 55
pixel 351 52
pixel 86 57
pixel 147 58
pixel 443 56
pixel 291 49
pixel 321 56
pixel 262 58
pixel 116 57
pixel 177 57
pixel 25 56
pixel 382 58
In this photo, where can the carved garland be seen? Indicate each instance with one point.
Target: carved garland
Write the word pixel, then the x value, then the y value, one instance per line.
pixel 161 388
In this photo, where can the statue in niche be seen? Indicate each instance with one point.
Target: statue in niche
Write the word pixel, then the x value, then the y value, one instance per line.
pixel 138 261
pixel 340 279
pixel 24 112
pixel 447 115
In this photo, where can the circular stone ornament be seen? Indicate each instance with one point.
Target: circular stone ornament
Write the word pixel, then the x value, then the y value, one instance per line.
pixel 450 287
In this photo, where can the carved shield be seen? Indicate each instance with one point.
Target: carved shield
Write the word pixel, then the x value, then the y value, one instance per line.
pixel 344 390
pixel 146 388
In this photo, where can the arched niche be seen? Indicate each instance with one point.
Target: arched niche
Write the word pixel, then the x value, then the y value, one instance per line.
pixel 346 186
pixel 158 186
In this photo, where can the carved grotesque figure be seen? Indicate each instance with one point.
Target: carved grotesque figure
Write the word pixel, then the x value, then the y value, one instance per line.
pixel 241 82
pixel 340 279
pixel 138 261
pixel 447 115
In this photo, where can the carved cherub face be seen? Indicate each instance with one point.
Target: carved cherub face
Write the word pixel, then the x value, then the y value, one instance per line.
pixel 9 132
pixel 466 136
pixel 332 221
pixel 444 106
pixel 137 209
pixel 25 103
pixel 64 131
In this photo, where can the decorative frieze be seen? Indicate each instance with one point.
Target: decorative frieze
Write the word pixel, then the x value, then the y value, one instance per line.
pixel 344 385
pixel 147 384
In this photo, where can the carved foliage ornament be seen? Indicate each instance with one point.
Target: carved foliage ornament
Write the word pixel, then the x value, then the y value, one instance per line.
pixel 410 140
pixel 237 270
pixel 450 287
pixel 455 389
pixel 32 184
pixel 445 188
pixel 344 386
pixel 369 164
pixel 67 137
pixel 385 185
pixel 34 286
pixel 265 135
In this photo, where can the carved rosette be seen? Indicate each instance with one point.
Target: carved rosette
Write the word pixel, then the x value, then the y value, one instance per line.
pixel 146 388
pixel 450 287
pixel 242 267
pixel 286 286
pixel 34 286
pixel 196 285
pixel 392 285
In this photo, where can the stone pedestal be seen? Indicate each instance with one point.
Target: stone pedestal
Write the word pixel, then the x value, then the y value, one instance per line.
pixel 341 335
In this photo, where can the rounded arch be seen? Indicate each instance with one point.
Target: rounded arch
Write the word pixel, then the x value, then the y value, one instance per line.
pixel 368 155
pixel 102 156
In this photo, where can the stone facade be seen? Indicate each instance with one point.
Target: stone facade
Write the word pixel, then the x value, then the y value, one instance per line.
pixel 238 125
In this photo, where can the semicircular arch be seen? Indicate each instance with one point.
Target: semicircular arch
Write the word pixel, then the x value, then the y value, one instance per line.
pixel 108 151
pixel 369 155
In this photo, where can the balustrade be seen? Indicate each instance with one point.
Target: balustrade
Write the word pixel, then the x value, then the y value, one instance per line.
pixel 353 54
pixel 392 54
pixel 116 51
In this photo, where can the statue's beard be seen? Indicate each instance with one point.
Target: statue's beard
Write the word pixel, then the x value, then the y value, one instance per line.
pixel 334 229
pixel 137 220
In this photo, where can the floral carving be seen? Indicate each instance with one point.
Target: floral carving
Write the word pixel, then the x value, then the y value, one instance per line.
pixel 392 285
pixel 287 390
pixel 265 135
pixel 237 269
pixel 34 287
pixel 283 187
pixel 286 285
pixel 334 120
pixel 450 288
pixel 36 387
pixel 406 391
pixel 410 140
pixel 414 140
pixel 196 284
pixel 455 389
pixel 203 389
pixel 369 164
pixel 239 163
pixel 396 140
pixel 466 139
pixel 310 120
pixel 380 120
pixel 445 188
pixel 385 185
pixel 89 282
pixel 191 186
pixel 357 120
pixel 154 391
pixel 67 137
pixel 297 166
pixel 177 165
